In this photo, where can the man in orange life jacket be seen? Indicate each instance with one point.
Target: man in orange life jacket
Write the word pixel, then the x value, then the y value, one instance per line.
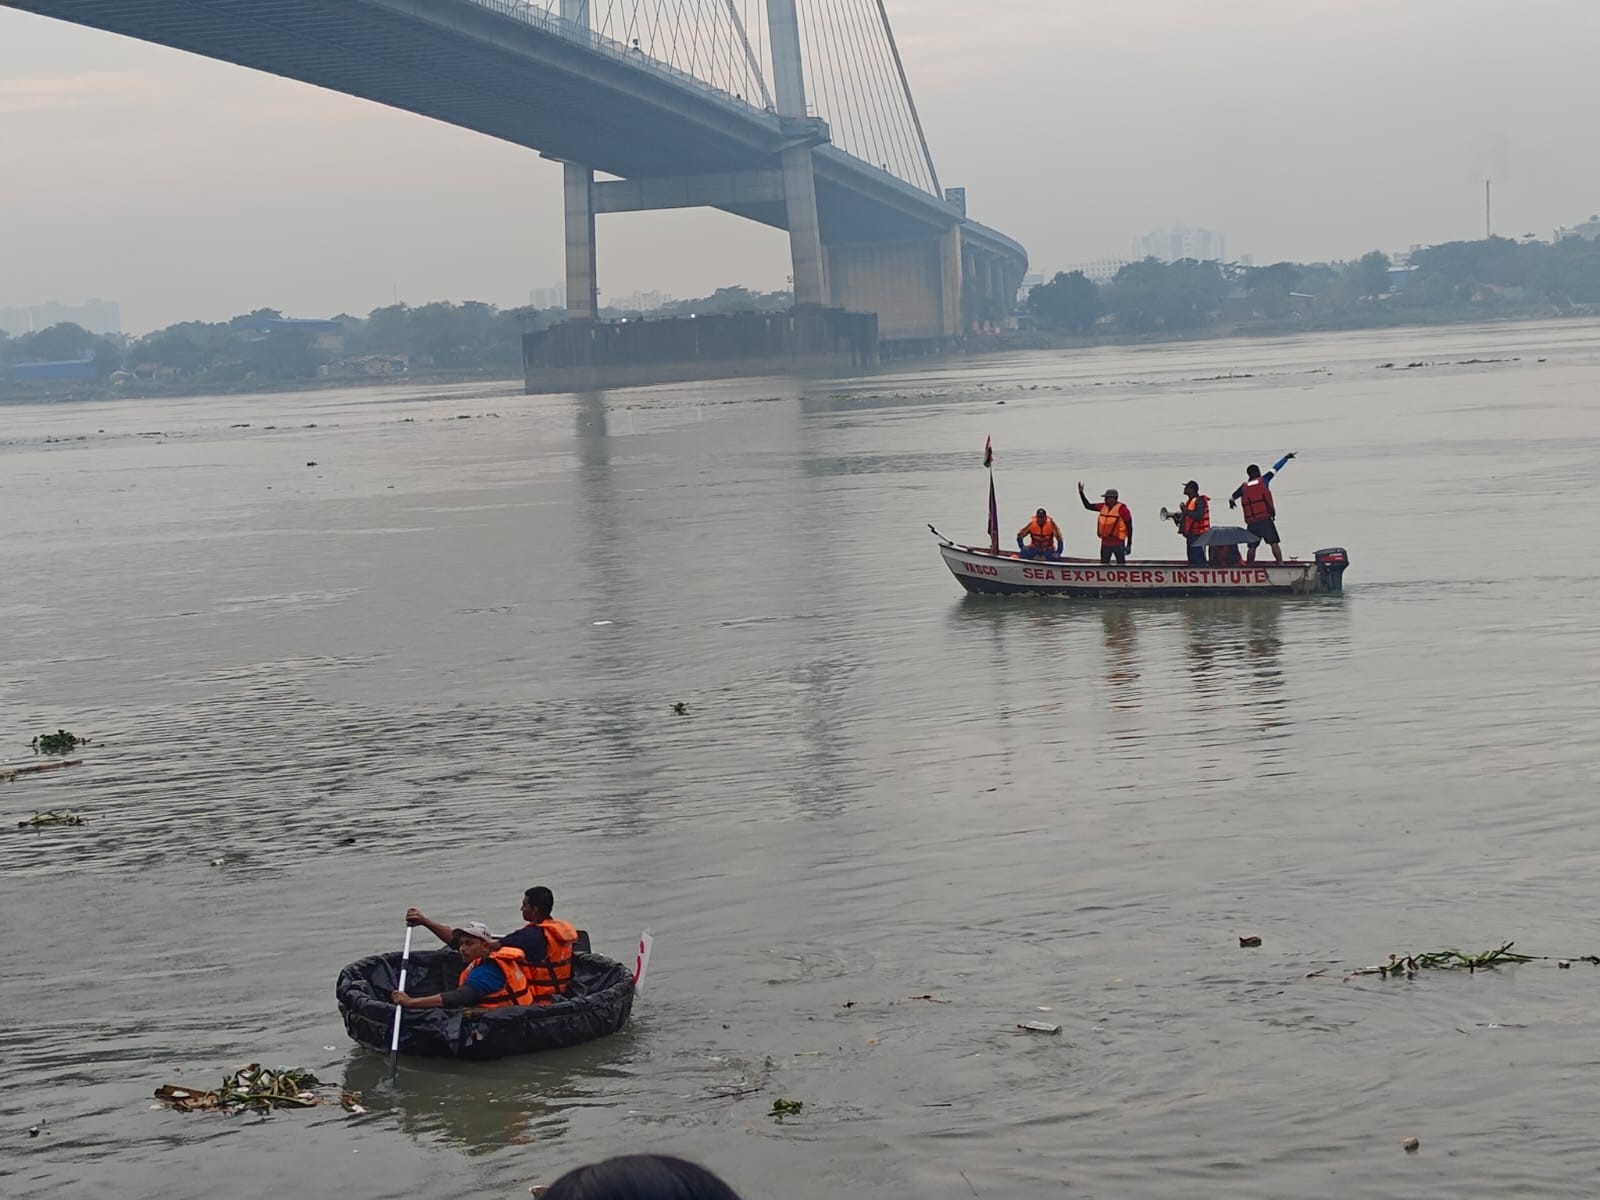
pixel 1044 538
pixel 546 943
pixel 1193 518
pixel 1115 526
pixel 1260 510
pixel 493 977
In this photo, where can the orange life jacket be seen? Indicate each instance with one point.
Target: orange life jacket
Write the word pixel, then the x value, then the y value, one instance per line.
pixel 1196 516
pixel 1258 505
pixel 552 978
pixel 1112 526
pixel 516 990
pixel 1041 535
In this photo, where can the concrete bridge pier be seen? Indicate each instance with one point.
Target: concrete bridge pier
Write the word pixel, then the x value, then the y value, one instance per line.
pixel 577 182
pixel 583 294
pixel 799 175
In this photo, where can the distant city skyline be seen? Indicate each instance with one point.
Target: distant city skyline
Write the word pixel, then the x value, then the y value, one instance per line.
pixel 95 315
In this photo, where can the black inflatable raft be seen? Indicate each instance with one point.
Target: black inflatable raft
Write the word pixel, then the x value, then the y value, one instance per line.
pixel 601 999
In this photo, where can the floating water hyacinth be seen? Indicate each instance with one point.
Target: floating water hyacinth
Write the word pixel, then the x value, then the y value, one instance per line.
pixel 59 742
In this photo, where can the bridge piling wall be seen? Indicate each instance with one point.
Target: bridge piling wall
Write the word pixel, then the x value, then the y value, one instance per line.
pixel 906 283
pixel 588 355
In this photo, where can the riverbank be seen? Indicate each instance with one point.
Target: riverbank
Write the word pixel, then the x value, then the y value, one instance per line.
pixel 974 345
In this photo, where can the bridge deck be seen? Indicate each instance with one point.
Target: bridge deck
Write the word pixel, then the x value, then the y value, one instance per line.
pixel 535 84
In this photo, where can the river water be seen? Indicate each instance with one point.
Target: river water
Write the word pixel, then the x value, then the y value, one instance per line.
pixel 341 652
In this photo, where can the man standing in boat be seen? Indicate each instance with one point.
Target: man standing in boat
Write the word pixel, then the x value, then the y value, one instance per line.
pixel 546 942
pixel 1260 510
pixel 1115 526
pixel 1193 518
pixel 1043 535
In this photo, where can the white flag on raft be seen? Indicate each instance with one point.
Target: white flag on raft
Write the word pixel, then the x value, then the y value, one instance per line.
pixel 641 961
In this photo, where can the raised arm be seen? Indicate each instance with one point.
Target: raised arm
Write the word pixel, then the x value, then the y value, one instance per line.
pixel 443 932
pixel 1084 497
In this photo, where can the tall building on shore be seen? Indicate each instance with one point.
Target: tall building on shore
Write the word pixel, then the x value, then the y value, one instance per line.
pixel 1183 241
pixel 97 316
pixel 554 296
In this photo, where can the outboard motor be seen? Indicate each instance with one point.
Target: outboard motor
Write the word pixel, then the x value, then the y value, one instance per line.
pixel 1330 568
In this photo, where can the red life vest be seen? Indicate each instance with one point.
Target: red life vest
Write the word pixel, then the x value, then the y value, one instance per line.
pixel 1112 526
pixel 1196 516
pixel 515 991
pixel 1258 505
pixel 1041 535
pixel 552 979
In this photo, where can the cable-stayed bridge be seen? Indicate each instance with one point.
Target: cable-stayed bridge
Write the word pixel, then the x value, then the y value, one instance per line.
pixel 793 113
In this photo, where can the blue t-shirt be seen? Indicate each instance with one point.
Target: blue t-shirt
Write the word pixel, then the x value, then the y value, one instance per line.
pixel 486 978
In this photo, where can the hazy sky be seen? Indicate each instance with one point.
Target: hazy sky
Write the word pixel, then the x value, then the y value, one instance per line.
pixel 1307 129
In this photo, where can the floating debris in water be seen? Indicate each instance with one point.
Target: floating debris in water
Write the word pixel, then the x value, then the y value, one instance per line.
pixel 41 819
pixel 680 707
pixel 1411 1145
pixel 10 771
pixel 1039 1027
pixel 59 742
pixel 252 1086
pixel 1409 964
pixel 1248 940
pixel 785 1108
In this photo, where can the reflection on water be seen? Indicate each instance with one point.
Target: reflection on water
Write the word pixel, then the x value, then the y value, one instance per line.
pixel 1216 674
pixel 484 1106
pixel 1120 628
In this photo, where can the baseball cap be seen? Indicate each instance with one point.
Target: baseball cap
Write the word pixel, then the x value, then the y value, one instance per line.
pixel 1110 492
pixel 1193 483
pixel 475 929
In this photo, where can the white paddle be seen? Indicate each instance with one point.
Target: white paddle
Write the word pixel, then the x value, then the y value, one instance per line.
pixel 394 1038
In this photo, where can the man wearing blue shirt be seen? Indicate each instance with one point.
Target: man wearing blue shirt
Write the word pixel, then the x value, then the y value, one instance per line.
pixel 483 983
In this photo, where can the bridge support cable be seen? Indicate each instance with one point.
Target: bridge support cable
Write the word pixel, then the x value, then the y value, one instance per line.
pixel 873 112
pixel 897 101
pixel 859 85
pixel 752 63
pixel 850 61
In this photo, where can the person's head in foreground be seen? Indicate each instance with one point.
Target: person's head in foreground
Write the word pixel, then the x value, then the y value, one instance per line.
pixel 640 1177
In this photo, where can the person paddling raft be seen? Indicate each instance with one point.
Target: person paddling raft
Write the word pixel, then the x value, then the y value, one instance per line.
pixel 1260 510
pixel 491 977
pixel 1114 527
pixel 546 942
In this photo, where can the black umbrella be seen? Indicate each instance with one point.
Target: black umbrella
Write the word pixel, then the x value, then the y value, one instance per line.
pixel 1227 535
